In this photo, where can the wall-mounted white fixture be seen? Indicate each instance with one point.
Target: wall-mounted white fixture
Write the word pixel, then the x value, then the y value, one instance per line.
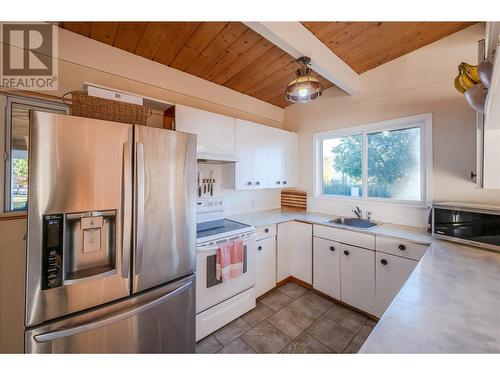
pixel 100 91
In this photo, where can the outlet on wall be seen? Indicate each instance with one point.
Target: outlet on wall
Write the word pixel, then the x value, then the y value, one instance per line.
pixel 252 203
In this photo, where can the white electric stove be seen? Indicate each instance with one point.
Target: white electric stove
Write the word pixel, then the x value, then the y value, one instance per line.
pixel 217 302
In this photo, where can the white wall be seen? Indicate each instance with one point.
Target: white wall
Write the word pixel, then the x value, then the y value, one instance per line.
pixel 417 83
pixel 239 201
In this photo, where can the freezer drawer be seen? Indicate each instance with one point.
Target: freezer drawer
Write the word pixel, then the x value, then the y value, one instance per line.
pixel 161 320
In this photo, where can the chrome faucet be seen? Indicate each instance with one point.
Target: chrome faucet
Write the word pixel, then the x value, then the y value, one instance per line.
pixel 358 213
pixel 369 216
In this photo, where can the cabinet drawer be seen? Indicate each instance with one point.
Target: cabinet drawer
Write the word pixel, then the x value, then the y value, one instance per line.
pixel 345 236
pixel 400 248
pixel 265 231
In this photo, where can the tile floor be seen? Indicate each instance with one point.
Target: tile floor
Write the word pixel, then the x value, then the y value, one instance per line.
pixel 291 319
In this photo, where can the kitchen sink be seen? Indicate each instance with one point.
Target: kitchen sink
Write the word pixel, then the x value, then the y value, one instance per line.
pixel 353 222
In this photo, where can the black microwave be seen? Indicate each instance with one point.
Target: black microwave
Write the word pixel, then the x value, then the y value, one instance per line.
pixel 475 226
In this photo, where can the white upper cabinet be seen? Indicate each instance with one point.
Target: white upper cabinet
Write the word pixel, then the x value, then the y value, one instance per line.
pixel 252 151
pixel 277 148
pixel 216 134
pixel 291 159
pixel 282 146
pixel 243 170
pixel 260 157
pixel 267 157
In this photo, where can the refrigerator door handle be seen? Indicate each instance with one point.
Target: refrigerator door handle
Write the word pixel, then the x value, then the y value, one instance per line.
pixel 55 335
pixel 139 246
pixel 126 207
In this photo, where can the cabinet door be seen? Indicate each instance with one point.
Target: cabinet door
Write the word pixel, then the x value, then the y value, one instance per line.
pixel 301 262
pixel 266 265
pixel 243 169
pixel 285 243
pixel 357 277
pixel 277 157
pixel 392 272
pixel 326 267
pixel 291 159
pixel 260 157
pixel 215 133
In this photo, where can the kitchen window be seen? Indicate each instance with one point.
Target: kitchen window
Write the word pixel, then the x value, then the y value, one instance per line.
pixel 388 161
pixel 16 133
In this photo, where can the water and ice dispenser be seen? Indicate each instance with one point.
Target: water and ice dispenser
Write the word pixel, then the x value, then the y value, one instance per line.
pixel 78 247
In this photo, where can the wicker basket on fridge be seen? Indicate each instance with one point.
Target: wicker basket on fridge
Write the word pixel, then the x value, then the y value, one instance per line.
pixel 84 105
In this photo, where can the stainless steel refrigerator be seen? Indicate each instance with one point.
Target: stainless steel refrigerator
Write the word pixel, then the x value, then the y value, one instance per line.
pixel 111 238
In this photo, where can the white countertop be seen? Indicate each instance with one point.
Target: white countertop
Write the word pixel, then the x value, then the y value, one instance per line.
pixel 450 303
pixel 257 219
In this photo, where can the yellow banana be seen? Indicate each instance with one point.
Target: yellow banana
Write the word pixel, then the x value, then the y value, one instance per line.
pixel 464 79
pixel 471 71
pixel 458 85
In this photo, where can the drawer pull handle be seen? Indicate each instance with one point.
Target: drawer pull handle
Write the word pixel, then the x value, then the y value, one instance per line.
pixel 332 248
pixel 383 261
pixel 266 230
pixel 346 252
pixel 259 248
pixel 402 247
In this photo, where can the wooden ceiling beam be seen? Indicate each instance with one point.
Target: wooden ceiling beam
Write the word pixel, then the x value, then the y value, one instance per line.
pixel 297 40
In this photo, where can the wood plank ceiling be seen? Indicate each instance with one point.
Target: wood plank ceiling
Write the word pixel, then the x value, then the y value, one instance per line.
pixel 366 45
pixel 233 55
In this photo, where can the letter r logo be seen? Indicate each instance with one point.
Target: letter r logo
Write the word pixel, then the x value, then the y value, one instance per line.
pixel 27 49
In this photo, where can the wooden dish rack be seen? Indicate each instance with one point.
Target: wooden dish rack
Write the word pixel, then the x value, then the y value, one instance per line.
pixel 294 199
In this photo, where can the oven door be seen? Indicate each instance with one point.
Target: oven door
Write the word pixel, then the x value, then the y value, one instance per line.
pixel 209 291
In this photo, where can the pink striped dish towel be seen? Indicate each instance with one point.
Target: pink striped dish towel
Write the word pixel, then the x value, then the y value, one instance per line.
pixel 229 260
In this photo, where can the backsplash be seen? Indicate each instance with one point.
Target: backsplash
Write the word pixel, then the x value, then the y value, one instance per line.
pixel 237 201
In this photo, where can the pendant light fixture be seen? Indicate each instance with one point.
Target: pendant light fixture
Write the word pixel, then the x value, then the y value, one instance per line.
pixel 304 87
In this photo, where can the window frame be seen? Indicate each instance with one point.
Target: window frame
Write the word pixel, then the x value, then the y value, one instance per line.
pixel 423 121
pixel 5 143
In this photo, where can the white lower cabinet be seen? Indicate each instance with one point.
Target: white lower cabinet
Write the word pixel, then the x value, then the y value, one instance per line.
pixel 360 277
pixel 266 265
pixel 357 277
pixel 326 266
pixel 294 252
pixel 392 272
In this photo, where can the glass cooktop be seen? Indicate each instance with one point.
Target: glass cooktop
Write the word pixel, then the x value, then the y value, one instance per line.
pixel 214 227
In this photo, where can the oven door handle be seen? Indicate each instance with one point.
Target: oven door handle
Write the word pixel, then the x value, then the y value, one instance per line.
pixel 206 249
